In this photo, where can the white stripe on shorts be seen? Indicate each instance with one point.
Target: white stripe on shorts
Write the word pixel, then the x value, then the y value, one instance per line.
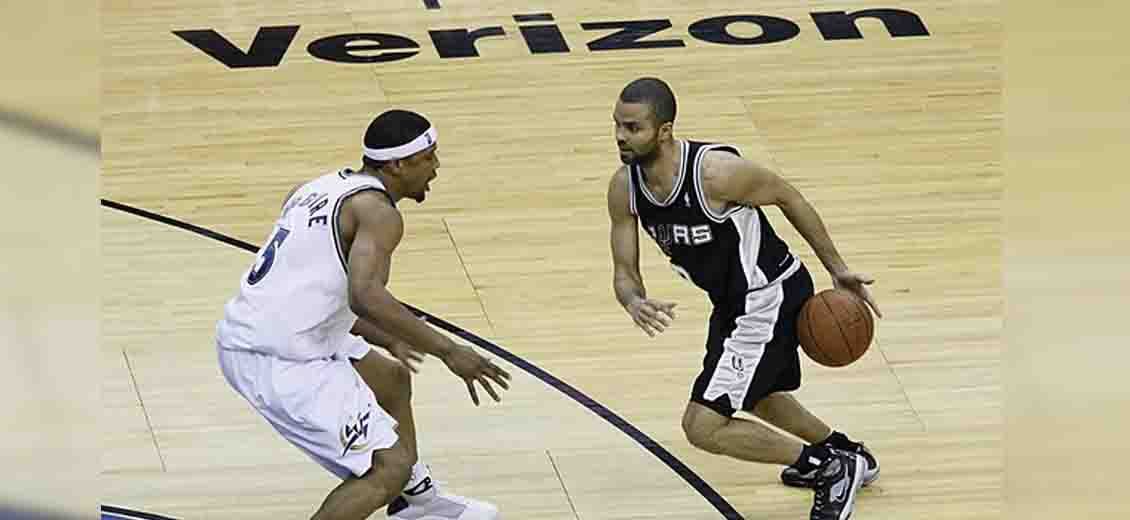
pixel 743 349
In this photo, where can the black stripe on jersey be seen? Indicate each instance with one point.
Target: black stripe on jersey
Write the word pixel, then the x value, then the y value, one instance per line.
pixel 337 222
pixel 700 186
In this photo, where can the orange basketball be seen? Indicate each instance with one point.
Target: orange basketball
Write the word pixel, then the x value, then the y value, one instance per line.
pixel 835 327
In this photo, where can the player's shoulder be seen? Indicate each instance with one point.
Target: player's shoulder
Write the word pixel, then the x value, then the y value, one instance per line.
pixel 620 176
pixel 722 157
pixel 618 183
pixel 370 201
pixel 370 205
pixel 720 164
pixel 373 213
pixel 619 193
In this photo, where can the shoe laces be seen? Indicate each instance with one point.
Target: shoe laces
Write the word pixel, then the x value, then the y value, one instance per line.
pixel 821 499
pixel 822 481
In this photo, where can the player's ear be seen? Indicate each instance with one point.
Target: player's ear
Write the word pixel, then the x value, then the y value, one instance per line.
pixel 395 166
pixel 666 129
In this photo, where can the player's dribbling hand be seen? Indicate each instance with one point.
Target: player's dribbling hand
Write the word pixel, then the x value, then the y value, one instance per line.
pixel 856 283
pixel 653 316
pixel 464 362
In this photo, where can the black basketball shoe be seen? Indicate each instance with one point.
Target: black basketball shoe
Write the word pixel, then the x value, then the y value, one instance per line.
pixel 791 476
pixel 838 480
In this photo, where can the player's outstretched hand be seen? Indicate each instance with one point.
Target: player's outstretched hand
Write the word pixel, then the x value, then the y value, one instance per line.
pixel 464 362
pixel 653 316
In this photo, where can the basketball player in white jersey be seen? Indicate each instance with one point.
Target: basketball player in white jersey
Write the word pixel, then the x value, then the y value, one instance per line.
pixel 295 341
pixel 700 202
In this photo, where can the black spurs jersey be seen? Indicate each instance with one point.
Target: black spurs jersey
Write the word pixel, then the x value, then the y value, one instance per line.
pixel 726 254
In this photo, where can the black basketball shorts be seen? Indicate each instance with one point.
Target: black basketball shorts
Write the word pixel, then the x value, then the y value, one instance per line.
pixel 752 347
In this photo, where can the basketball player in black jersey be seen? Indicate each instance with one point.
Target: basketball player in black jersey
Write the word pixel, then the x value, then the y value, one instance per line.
pixel 700 203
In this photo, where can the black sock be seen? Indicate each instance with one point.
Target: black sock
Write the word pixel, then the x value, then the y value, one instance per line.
pixel 811 458
pixel 838 441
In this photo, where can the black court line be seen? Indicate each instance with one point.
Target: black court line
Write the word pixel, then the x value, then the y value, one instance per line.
pixel 431 4
pixel 181 224
pixel 121 513
pixel 688 475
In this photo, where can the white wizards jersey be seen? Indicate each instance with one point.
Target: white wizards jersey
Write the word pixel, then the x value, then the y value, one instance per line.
pixel 293 301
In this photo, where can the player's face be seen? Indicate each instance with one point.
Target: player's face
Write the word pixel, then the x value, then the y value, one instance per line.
pixel 637 137
pixel 419 170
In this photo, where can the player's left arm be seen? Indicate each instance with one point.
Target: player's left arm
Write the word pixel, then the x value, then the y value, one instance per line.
pixel 377 336
pixel 738 180
pixel 373 334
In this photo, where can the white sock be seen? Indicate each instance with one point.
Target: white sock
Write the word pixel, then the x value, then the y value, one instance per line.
pixel 419 488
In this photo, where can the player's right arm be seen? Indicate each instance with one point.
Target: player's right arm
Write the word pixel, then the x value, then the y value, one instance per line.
pixel 372 228
pixel 650 315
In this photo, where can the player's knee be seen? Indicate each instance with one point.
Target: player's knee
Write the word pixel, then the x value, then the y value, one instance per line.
pixel 700 435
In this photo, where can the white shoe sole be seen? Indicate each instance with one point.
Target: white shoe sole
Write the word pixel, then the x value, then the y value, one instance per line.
pixel 468 514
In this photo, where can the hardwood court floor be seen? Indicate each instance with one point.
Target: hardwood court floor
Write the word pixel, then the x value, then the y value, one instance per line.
pixel 896 141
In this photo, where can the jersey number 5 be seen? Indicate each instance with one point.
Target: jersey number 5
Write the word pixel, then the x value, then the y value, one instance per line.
pixel 267 257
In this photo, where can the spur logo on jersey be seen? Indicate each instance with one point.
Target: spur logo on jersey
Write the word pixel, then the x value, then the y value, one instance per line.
pixel 543 37
pixel 662 236
pixel 667 235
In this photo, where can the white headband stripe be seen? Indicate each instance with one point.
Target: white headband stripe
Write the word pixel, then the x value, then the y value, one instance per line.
pixel 425 140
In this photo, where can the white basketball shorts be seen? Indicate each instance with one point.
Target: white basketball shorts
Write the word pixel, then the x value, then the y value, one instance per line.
pixel 321 406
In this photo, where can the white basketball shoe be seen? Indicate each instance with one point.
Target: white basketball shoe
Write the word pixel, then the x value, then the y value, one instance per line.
pixel 443 506
pixel 423 501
